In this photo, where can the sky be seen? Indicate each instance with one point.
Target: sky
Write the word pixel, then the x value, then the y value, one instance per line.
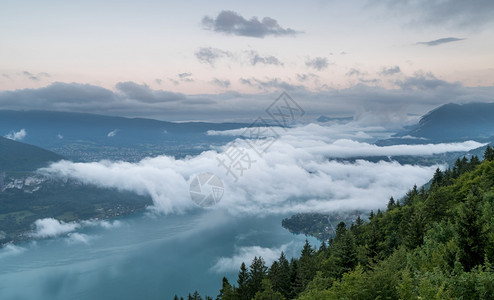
pixel 228 60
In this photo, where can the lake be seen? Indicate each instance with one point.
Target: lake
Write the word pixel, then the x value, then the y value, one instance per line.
pixel 144 256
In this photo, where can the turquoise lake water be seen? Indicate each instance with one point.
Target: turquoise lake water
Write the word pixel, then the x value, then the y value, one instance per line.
pixel 145 257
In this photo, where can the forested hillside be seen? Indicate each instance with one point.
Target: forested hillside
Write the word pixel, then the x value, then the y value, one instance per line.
pixel 15 156
pixel 435 243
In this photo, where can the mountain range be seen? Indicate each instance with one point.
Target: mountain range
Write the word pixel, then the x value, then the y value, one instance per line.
pixel 449 123
pixel 89 137
pixel 26 196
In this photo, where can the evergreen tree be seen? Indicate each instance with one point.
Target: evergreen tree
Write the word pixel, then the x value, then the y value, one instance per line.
pixel 323 247
pixel 489 153
pixel 415 230
pixel 411 195
pixel 343 253
pixel 274 274
pixel 306 267
pixel 357 231
pixel 464 167
pixel 257 272
pixel 195 296
pixel 373 241
pixel 448 177
pixel 437 179
pixel 474 162
pixel 282 283
pixel 267 292
pixel 391 203
pixel 470 233
pixel 295 286
pixel 226 292
pixel 243 280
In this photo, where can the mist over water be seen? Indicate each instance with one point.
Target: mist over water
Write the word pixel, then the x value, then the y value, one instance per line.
pixel 175 247
pixel 146 257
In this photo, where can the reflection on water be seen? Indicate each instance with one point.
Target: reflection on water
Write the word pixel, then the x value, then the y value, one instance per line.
pixel 147 257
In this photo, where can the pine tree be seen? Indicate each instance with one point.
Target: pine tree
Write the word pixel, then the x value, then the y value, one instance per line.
pixel 343 252
pixel 474 162
pixel 267 292
pixel 257 272
pixel 295 286
pixel 489 153
pixel 464 167
pixel 438 178
pixel 306 267
pixel 471 237
pixel 323 247
pixel 226 292
pixel 274 273
pixel 411 195
pixel 391 203
pixel 282 283
pixel 340 231
pixel 415 230
pixel 373 241
pixel 356 229
pixel 243 280
pixel 196 296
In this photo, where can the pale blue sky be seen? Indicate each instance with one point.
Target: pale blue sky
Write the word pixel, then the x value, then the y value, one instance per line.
pixel 338 46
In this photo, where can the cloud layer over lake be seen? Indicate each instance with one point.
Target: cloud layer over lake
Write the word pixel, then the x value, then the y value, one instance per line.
pixel 296 173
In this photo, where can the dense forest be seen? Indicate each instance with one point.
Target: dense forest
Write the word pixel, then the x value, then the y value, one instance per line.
pixel 435 243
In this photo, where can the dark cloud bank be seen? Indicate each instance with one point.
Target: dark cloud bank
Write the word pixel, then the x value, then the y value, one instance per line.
pixel 419 93
pixel 230 22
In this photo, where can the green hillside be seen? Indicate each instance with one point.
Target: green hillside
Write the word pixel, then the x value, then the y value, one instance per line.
pixel 26 196
pixel 435 243
pixel 16 156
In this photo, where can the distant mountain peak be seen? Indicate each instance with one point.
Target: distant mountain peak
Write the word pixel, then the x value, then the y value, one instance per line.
pixel 452 123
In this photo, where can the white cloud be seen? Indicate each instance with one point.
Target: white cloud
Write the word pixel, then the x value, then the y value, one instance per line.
pixel 50 227
pixel 78 238
pixel 17 136
pixel 112 133
pixel 246 255
pixel 10 250
pixel 295 174
pixel 105 224
pixel 312 131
